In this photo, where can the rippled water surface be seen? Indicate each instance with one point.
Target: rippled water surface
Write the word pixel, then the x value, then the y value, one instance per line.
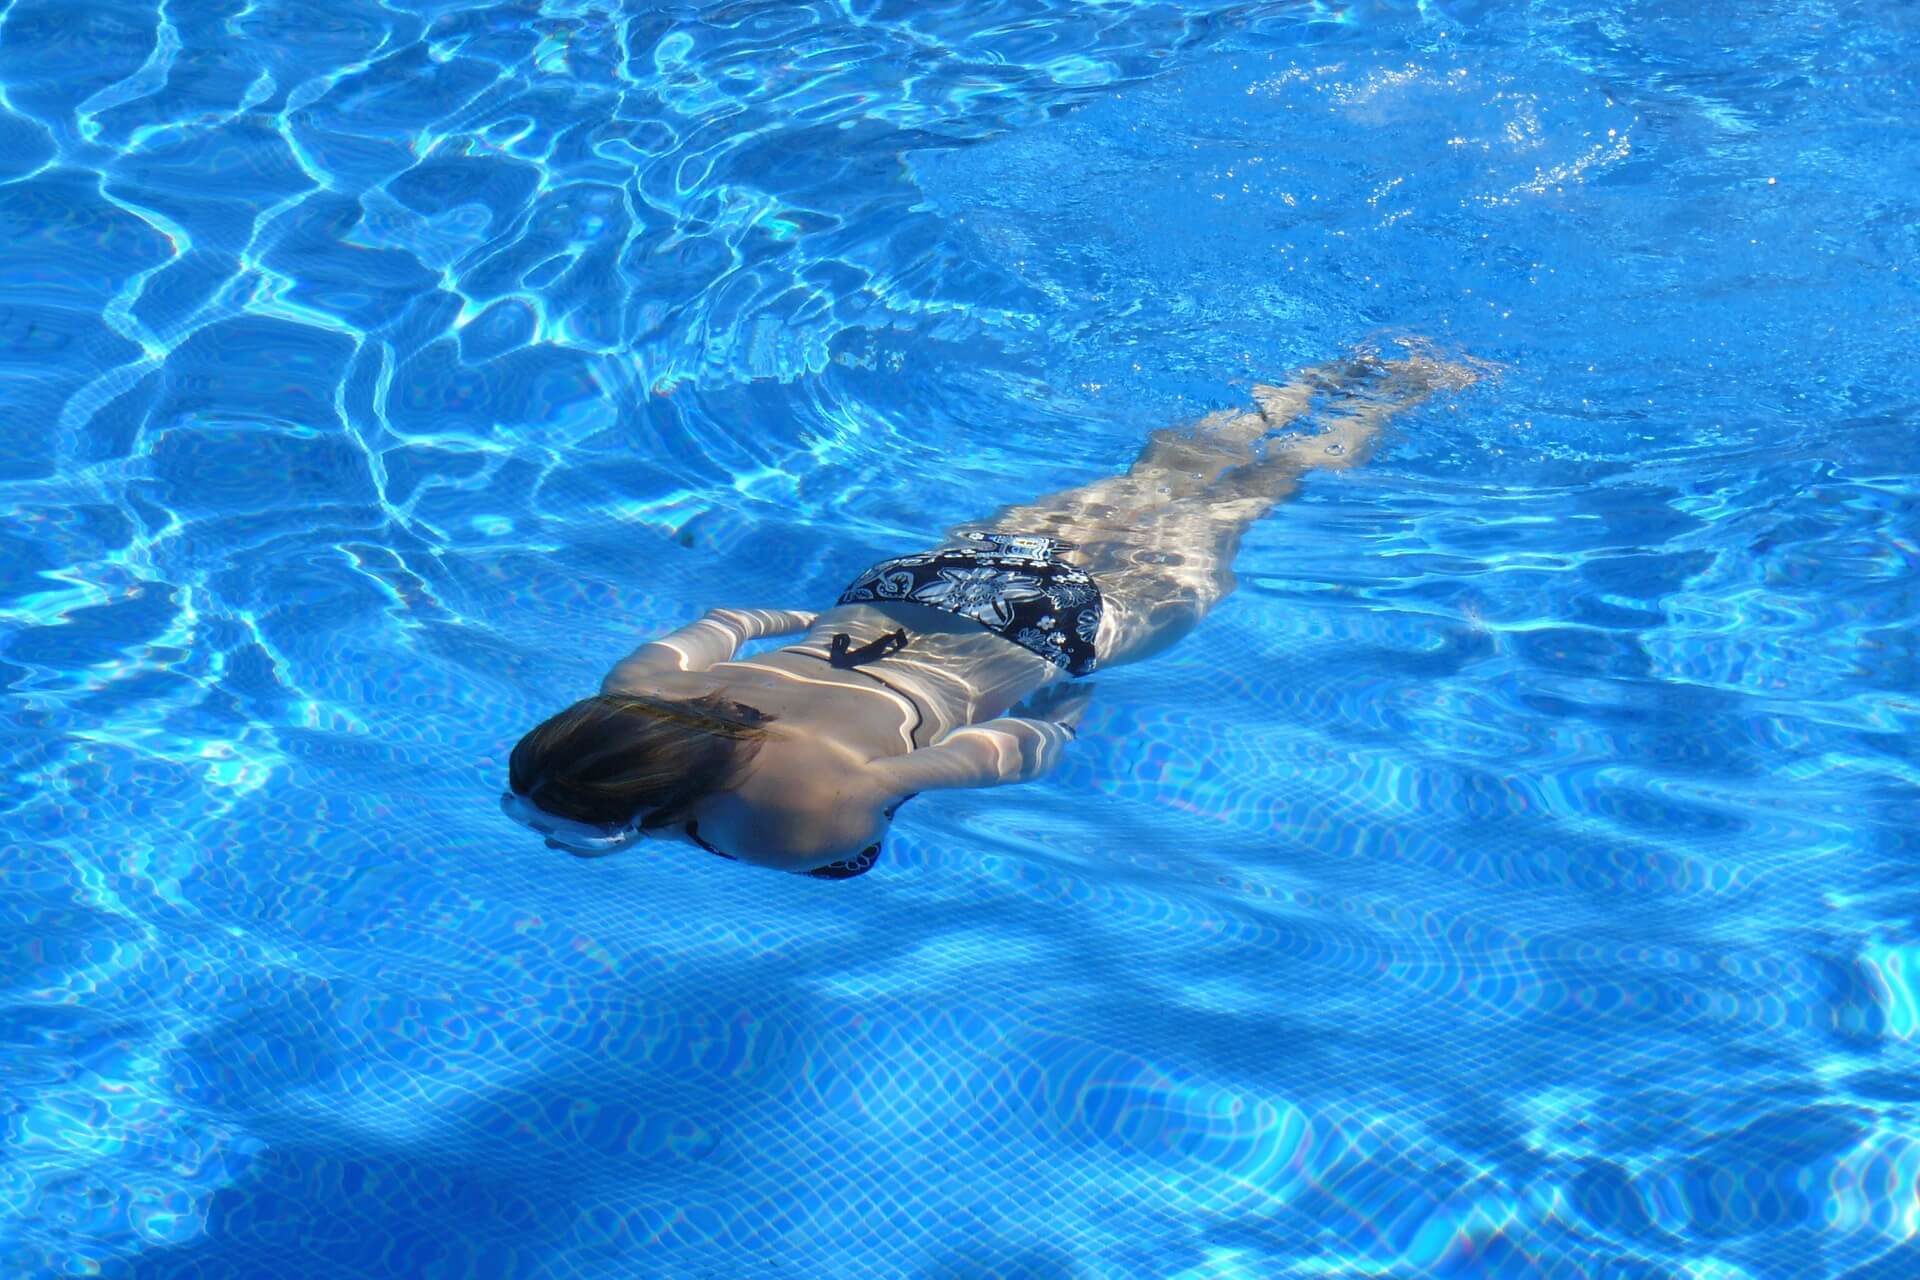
pixel 1514 878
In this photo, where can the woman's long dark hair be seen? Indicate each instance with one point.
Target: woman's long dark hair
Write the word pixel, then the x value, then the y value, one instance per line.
pixel 609 757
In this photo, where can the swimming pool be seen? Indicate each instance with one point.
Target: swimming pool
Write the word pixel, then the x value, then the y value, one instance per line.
pixel 1514 878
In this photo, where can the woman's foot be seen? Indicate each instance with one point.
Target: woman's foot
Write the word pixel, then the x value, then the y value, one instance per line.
pixel 1355 396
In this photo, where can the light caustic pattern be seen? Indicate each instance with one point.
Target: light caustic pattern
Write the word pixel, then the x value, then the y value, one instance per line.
pixel 1513 878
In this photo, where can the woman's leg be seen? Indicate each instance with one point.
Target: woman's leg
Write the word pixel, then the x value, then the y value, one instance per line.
pixel 1161 538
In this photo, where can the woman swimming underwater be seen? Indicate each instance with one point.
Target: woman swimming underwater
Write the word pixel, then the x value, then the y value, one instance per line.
pixel 797 757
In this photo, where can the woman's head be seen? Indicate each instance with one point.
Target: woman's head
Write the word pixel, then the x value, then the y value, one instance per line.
pixel 612 758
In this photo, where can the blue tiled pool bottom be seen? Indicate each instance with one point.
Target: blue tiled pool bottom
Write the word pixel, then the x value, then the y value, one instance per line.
pixel 1512 879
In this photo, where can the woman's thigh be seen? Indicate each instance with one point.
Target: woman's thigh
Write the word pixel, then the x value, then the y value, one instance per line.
pixel 1161 565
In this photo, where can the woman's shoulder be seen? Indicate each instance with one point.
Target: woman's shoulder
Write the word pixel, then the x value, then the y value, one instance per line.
pixel 807 800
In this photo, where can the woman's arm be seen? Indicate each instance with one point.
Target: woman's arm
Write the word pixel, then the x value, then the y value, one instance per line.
pixel 715 637
pixel 989 754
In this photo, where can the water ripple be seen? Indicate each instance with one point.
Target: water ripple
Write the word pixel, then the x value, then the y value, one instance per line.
pixel 1512 878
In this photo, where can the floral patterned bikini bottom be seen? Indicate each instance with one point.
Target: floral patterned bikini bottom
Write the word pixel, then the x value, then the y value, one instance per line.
pixel 1013 584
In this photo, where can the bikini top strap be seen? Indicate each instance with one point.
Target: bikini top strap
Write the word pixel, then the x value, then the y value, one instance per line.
pixel 880 646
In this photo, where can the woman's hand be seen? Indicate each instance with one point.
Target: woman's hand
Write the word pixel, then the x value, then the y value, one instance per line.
pixel 990 754
pixel 751 624
pixel 1063 702
pixel 715 637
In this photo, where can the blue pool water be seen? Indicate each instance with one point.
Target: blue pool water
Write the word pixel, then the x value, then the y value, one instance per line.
pixel 1515 878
